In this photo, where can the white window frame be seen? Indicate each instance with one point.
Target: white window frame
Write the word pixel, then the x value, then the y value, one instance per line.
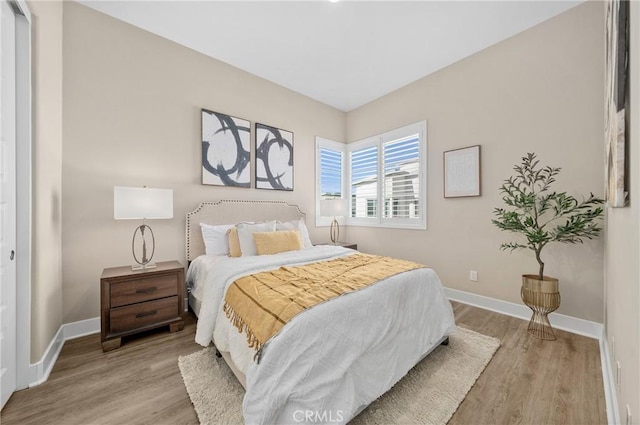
pixel 419 128
pixel 420 223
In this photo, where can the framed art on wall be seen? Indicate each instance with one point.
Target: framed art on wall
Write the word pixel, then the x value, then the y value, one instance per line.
pixel 616 76
pixel 226 156
pixel 274 158
pixel 462 172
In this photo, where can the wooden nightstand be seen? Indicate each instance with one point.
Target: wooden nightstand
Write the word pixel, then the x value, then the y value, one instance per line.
pixel 343 244
pixel 136 301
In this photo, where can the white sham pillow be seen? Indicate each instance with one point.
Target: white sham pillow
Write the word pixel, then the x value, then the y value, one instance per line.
pixel 300 226
pixel 216 241
pixel 245 235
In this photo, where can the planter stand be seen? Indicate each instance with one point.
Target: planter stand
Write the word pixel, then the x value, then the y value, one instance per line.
pixel 542 297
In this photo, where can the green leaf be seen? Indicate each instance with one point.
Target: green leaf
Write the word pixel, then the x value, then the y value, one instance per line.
pixel 542 217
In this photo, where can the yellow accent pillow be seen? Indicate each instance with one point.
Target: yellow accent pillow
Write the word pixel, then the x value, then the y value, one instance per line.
pixel 275 242
pixel 234 243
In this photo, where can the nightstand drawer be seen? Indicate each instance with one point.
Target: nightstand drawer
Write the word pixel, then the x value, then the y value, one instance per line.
pixel 139 315
pixel 143 289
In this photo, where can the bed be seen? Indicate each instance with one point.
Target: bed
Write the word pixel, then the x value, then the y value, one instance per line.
pixel 331 361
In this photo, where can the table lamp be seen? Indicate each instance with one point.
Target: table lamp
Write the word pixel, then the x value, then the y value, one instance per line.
pixel 142 203
pixel 333 208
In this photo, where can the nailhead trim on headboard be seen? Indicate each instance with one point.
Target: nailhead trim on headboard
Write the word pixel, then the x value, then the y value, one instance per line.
pixel 288 211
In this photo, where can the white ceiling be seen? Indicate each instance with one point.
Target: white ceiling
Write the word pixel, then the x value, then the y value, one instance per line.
pixel 343 54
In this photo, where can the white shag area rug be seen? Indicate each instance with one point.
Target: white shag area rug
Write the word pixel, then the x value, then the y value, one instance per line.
pixel 429 394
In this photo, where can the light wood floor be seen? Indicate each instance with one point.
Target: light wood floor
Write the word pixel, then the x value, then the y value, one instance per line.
pixel 527 382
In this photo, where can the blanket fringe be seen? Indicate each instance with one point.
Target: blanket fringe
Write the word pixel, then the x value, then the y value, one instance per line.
pixel 241 326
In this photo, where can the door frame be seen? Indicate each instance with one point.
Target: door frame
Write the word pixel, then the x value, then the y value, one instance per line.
pixel 25 372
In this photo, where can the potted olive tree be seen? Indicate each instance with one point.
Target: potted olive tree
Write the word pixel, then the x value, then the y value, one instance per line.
pixel 543 216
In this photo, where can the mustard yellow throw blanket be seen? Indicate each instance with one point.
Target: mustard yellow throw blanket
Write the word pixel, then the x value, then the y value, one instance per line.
pixel 261 304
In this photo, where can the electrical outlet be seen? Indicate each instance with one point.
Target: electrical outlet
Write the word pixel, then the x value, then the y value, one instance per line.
pixel 629 420
pixel 618 375
pixel 473 276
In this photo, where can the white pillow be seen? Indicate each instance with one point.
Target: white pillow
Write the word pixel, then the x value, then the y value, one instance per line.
pixel 299 226
pixel 216 241
pixel 245 235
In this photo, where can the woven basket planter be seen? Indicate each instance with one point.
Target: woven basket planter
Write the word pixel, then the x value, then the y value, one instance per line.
pixel 542 297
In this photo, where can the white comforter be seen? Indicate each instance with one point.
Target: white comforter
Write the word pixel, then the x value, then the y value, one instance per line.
pixel 334 359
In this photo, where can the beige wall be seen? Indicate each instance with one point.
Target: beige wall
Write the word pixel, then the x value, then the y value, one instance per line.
pixel 622 253
pixel 132 105
pixel 540 91
pixel 46 285
pixel 132 117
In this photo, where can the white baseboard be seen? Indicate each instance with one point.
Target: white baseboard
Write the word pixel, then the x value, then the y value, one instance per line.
pixel 42 369
pixel 610 394
pixel 82 328
pixel 67 331
pixel 560 321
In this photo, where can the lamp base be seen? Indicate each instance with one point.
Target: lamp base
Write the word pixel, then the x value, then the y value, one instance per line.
pixel 334 231
pixel 143 266
pixel 145 262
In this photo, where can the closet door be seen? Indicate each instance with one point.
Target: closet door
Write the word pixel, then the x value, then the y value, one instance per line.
pixel 7 202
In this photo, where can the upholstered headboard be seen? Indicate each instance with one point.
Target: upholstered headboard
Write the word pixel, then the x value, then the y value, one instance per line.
pixel 231 212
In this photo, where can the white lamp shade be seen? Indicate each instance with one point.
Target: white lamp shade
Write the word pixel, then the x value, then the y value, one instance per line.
pixel 142 203
pixel 333 207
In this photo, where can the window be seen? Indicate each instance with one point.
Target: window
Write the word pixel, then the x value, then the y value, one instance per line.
pixel 329 173
pixel 371 208
pixel 396 160
pixel 364 181
pixel 401 177
pixel 385 177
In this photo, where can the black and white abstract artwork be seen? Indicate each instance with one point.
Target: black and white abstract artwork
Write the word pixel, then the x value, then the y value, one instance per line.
pixel 274 158
pixel 226 155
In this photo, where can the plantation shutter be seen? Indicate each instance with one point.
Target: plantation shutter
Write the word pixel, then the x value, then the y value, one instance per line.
pixel 330 173
pixel 401 165
pixel 364 181
pixel 382 177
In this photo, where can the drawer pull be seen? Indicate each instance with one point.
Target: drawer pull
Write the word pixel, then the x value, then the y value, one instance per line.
pixel 146 313
pixel 147 290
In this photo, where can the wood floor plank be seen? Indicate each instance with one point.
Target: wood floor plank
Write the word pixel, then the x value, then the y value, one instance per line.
pixel 530 381
pixel 527 382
